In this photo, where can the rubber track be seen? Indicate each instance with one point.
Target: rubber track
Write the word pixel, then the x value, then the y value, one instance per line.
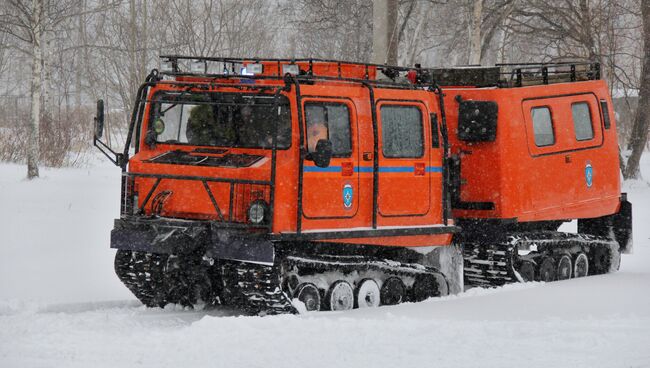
pixel 142 273
pixel 258 286
pixel 495 264
pixel 349 264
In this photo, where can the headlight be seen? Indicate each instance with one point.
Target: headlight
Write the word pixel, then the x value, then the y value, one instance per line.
pixel 257 212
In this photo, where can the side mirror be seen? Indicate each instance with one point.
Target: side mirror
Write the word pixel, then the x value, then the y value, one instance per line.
pixel 323 154
pixel 99 120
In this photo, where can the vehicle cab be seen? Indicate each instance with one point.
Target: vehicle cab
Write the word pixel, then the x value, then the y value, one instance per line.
pixel 280 151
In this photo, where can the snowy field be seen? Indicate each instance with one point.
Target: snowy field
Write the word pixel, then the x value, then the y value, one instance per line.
pixel 62 306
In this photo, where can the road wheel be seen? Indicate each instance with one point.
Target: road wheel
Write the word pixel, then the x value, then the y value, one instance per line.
pixel 392 291
pixel 564 268
pixel 527 271
pixel 581 266
pixel 340 296
pixel 424 287
pixel 309 295
pixel 547 270
pixel 368 295
pixel 601 260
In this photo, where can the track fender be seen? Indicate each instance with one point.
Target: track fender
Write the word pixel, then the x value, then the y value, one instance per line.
pixel 448 259
pixel 232 244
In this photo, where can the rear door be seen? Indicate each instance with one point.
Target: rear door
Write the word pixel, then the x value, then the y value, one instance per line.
pixel 404 173
pixel 333 191
pixel 561 133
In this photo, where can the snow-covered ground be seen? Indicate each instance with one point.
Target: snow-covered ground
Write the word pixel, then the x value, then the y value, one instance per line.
pixel 62 306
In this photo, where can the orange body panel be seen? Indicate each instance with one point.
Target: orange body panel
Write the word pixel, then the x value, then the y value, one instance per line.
pixel 525 182
pixel 406 194
pixel 531 183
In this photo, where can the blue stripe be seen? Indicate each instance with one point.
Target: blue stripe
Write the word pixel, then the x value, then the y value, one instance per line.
pixel 322 169
pixel 367 169
pixel 396 169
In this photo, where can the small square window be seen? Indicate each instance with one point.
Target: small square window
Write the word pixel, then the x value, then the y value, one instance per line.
pixel 582 121
pixel 543 126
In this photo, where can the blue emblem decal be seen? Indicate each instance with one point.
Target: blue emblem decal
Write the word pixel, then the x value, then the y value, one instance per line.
pixel 348 194
pixel 589 175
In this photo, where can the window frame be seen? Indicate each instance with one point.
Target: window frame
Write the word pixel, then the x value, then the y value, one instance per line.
pixel 591 121
pixel 550 114
pixel 156 101
pixel 423 145
pixel 324 104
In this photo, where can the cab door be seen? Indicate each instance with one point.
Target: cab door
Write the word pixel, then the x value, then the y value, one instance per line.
pixel 404 172
pixel 333 191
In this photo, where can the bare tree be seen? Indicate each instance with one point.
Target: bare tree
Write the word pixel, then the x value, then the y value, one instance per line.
pixel 340 29
pixel 25 22
pixel 476 20
pixel 33 25
pixel 639 136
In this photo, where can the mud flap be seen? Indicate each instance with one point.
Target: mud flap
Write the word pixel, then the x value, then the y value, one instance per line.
pixel 448 260
pixel 617 226
pixel 622 226
pixel 232 244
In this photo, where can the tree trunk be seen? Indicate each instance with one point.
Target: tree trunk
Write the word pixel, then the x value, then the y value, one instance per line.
pixel 46 109
pixel 475 33
pixel 639 135
pixel 393 32
pixel 380 31
pixel 33 149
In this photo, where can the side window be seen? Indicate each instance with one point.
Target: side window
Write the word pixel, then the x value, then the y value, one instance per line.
pixel 402 132
pixel 329 121
pixel 582 121
pixel 605 108
pixel 542 126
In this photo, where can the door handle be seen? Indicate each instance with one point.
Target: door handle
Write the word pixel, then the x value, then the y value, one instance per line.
pixel 567 159
pixel 367 156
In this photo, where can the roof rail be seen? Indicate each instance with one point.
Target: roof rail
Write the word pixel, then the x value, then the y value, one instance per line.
pixel 529 74
pixel 501 75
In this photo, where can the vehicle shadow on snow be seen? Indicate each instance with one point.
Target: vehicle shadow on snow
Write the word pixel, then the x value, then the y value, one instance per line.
pixel 121 306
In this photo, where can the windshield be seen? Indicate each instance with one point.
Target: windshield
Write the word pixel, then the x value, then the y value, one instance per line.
pixel 221 119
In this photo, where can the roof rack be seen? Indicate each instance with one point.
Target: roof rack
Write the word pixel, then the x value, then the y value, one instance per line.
pixel 529 74
pixel 501 75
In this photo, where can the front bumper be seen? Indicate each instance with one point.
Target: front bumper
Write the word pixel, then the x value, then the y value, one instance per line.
pixel 172 236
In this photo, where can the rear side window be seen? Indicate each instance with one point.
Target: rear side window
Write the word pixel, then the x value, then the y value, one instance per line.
pixel 605 108
pixel 329 121
pixel 402 132
pixel 582 121
pixel 543 126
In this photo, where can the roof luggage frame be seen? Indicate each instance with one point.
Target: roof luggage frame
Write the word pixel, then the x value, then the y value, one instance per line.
pixel 500 75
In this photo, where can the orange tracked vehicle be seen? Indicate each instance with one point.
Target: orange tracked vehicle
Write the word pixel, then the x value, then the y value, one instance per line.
pixel 255 182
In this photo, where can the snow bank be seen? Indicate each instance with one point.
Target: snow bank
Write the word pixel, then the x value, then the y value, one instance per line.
pixel 62 306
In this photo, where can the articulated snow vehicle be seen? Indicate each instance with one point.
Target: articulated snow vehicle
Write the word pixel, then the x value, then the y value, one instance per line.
pixel 257 182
